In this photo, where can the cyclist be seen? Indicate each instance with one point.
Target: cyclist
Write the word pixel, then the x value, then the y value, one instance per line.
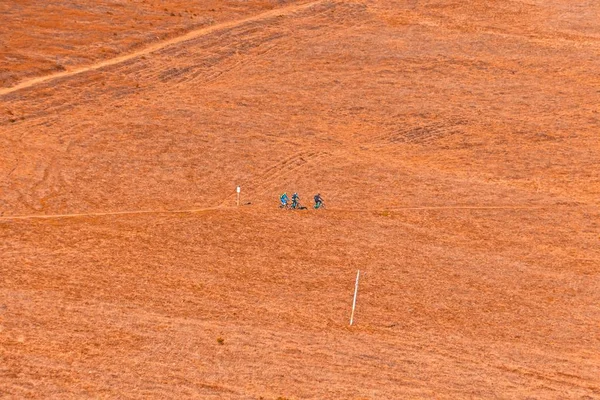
pixel 295 201
pixel 318 201
pixel 284 199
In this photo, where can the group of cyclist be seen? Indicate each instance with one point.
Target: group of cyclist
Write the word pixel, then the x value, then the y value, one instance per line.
pixel 295 204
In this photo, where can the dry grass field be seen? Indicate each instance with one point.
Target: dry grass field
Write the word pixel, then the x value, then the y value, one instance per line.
pixel 456 145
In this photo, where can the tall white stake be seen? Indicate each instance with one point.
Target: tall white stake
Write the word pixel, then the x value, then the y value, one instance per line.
pixel 355 293
pixel 238 190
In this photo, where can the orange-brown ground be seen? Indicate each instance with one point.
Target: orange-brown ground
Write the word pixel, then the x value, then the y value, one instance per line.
pixel 457 150
pixel 42 37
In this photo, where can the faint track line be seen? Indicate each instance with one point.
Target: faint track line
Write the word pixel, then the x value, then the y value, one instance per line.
pixel 433 208
pixel 224 207
pixel 109 213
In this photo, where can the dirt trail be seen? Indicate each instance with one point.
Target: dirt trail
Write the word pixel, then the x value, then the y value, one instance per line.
pixel 193 210
pixel 158 46
pixel 101 214
pixel 450 208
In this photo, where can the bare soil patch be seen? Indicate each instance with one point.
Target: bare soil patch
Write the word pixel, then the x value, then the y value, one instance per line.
pixel 456 149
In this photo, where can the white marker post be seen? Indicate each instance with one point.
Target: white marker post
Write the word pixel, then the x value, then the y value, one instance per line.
pixel 238 190
pixel 354 302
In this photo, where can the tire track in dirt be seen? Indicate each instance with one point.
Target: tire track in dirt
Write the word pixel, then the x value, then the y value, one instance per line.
pixel 551 377
pixel 215 75
pixel 540 37
pixel 420 134
pixel 259 184
pixel 279 12
pixel 304 160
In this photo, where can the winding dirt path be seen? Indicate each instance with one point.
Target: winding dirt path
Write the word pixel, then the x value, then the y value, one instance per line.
pixel 158 46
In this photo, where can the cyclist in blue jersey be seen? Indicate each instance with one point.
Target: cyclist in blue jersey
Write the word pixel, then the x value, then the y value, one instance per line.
pixel 284 199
